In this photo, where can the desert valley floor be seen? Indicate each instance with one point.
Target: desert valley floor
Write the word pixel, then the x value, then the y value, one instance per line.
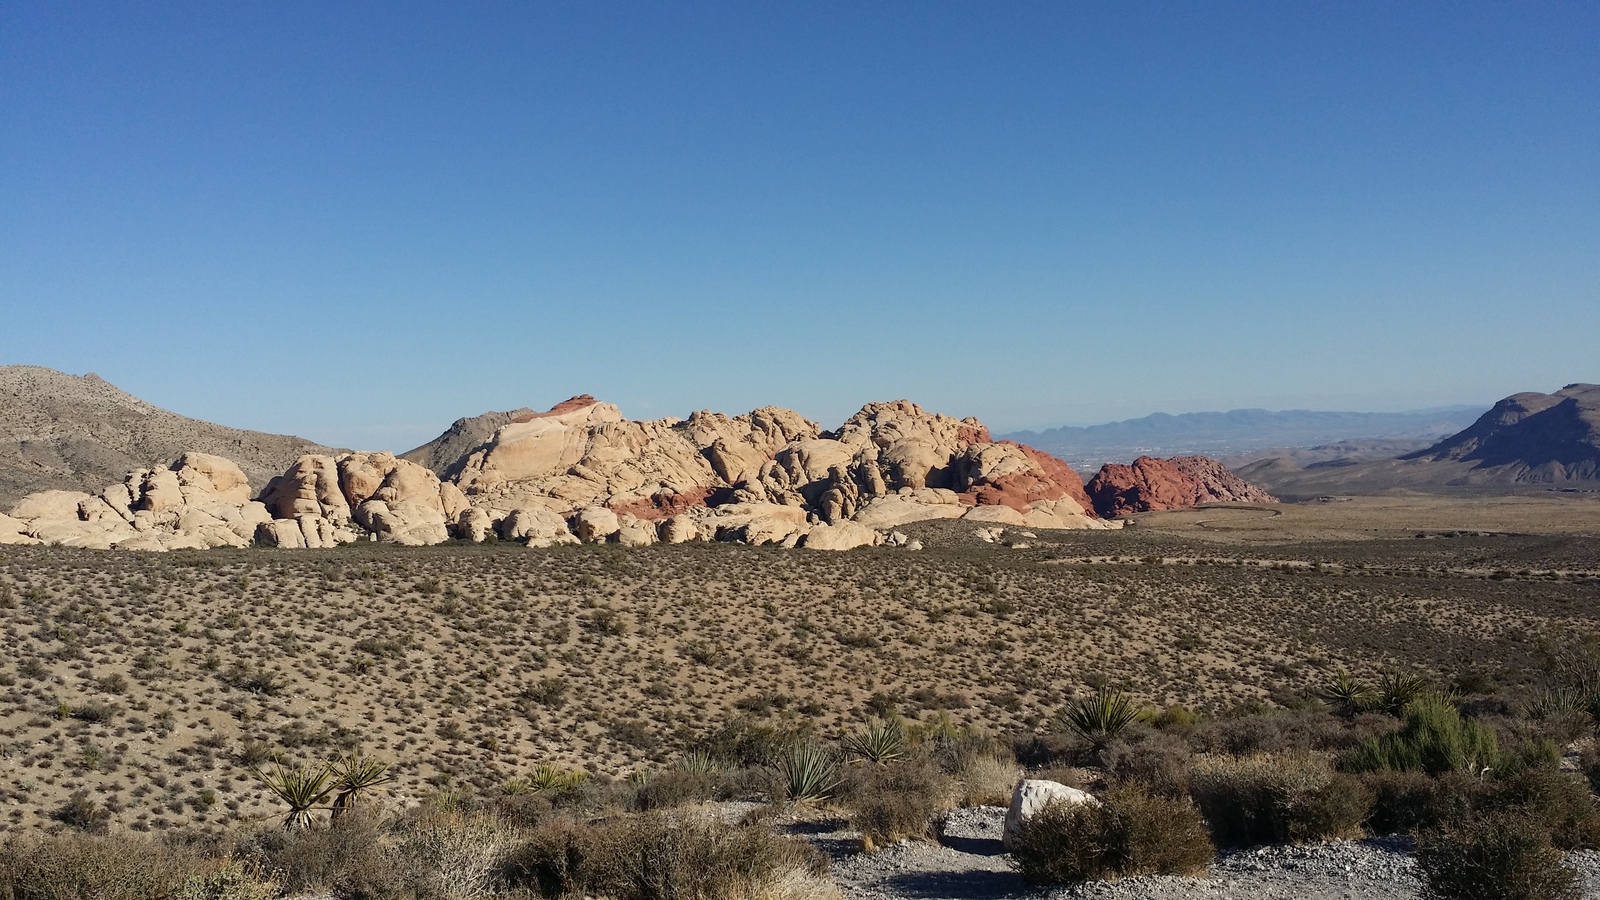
pixel 152 682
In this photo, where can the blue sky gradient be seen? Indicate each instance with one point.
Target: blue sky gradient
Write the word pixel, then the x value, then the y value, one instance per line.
pixel 359 221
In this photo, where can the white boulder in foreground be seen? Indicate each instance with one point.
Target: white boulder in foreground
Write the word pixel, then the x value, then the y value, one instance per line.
pixel 1034 794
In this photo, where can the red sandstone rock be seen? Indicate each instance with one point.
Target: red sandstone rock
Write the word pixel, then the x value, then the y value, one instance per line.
pixel 568 405
pixel 1052 480
pixel 1176 483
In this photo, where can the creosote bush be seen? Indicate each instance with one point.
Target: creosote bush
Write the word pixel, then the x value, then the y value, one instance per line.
pixel 1131 832
pixel 1506 855
pixel 656 857
pixel 1277 798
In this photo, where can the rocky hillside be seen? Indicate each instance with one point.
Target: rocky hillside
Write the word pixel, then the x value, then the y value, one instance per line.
pixel 74 432
pixel 1177 483
pixel 582 472
pixel 1527 441
pixel 1530 438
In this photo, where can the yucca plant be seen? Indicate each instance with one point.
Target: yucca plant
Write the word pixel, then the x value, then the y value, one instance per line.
pixel 1345 694
pixel 1397 691
pixel 546 777
pixel 1101 717
pixel 807 773
pixel 354 775
pixel 697 762
pixel 881 743
pixel 301 787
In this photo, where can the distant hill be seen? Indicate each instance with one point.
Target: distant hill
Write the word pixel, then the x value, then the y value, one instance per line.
pixel 1230 434
pixel 81 433
pixel 1527 441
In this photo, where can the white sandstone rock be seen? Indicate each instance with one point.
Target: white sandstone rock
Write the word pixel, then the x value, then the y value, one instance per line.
pixel 1032 795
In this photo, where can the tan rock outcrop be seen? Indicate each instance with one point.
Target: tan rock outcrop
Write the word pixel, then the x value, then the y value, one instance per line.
pixel 840 536
pixel 595 524
pixel 197 503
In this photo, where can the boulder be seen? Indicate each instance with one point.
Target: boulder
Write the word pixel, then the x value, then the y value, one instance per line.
pixel 636 532
pixel 285 533
pixel 1000 515
pixel 309 488
pixel 840 536
pixel 678 529
pixel 595 524
pixel 897 509
pixel 213 477
pixel 473 524
pixel 49 505
pixel 535 526
pixel 1032 795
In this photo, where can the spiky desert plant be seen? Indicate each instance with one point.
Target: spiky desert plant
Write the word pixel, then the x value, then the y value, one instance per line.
pixel 881 743
pixel 354 775
pixel 1345 694
pixel 301 787
pixel 697 762
pixel 1397 691
pixel 546 777
pixel 1101 717
pixel 807 773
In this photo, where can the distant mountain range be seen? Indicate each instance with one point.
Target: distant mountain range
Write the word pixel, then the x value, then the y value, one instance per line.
pixel 1238 432
pixel 1527 441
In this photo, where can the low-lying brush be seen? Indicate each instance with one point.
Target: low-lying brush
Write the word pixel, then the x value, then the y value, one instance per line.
pixel 1505 855
pixel 657 857
pixel 1131 832
pixel 1277 799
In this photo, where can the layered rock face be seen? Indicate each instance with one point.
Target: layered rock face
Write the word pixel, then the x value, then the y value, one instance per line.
pixel 1177 483
pixel 201 501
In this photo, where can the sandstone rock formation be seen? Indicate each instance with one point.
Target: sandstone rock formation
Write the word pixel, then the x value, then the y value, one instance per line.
pixel 764 477
pixel 1177 483
pixel 581 472
pixel 202 501
pixel 396 500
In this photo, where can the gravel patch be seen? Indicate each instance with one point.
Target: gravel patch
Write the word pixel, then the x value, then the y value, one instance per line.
pixel 970 863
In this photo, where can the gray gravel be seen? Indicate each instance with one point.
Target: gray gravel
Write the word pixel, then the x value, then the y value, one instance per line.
pixel 971 863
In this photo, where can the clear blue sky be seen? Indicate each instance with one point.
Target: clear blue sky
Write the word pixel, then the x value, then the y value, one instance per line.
pixel 358 221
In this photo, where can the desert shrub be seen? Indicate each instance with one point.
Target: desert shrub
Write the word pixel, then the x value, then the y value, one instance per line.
pixel 986 779
pixel 80 811
pixel 1156 759
pixel 1434 739
pixel 451 855
pixel 77 867
pixel 896 801
pixel 1402 802
pixel 1558 800
pixel 344 859
pixel 1132 832
pixel 675 787
pixel 653 857
pixel 1276 799
pixel 1502 855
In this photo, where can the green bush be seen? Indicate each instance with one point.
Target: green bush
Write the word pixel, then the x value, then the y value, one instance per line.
pixel 675 787
pixel 1277 799
pixel 1500 856
pixel 1434 739
pixel 1132 832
